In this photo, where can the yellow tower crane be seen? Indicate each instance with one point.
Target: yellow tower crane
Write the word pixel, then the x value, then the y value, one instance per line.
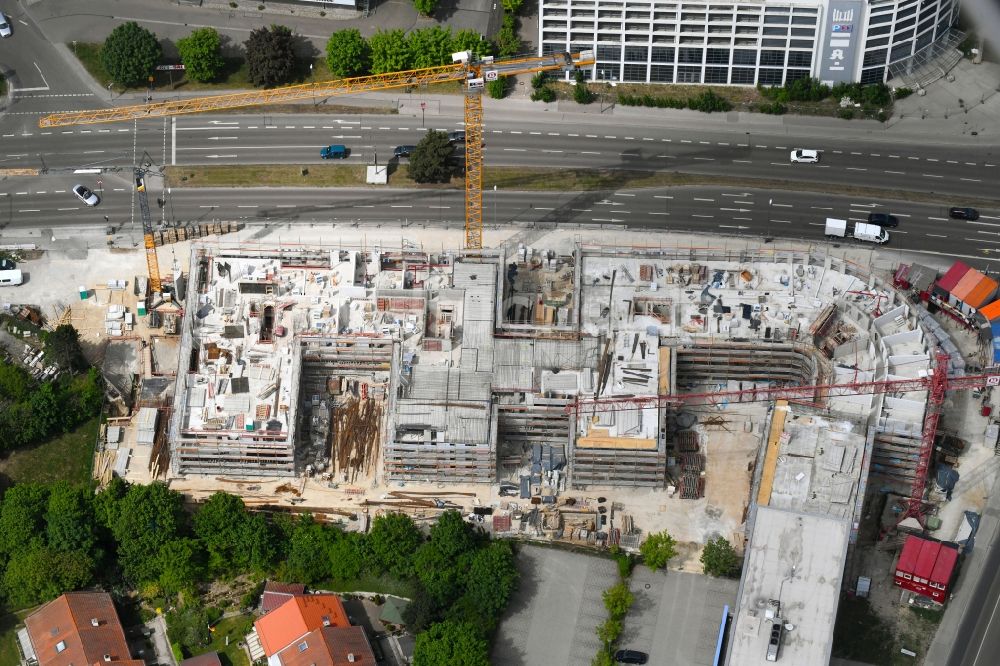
pixel 473 72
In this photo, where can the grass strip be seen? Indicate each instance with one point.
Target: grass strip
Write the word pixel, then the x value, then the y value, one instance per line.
pixel 266 175
pixel 527 179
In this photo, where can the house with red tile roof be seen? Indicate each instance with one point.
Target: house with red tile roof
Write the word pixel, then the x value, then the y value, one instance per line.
pixel 77 629
pixel 207 659
pixel 276 594
pixel 310 629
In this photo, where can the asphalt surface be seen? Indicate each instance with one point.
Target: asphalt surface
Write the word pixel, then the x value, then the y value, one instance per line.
pixel 959 171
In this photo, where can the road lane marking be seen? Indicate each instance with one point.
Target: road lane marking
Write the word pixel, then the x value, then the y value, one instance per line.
pixel 709 200
pixel 655 213
pixel 856 169
pixel 661 196
pixel 931 175
pixel 971 180
pixel 820 208
pixel 742 162
pixel 706 159
pixel 705 216
pixel 781 205
pixel 623 194
pixel 939 219
pixel 516 150
pixel 399 206
pixel 589 152
pixel 897 173
pixel 937 235
pixel 248 206
pixel 744 202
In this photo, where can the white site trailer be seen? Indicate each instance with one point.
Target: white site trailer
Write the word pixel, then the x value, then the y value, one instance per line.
pixel 870 233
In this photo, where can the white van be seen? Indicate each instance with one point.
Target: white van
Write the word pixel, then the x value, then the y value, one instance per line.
pixel 11 278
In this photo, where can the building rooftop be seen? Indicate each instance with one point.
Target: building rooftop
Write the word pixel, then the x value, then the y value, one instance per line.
pixel 298 616
pixel 77 629
pixel 792 577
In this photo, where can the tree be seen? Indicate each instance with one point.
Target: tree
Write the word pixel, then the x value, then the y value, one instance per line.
pixel 147 517
pixel 470 40
pixel 129 54
pixel 425 7
pixel 180 565
pixel 452 644
pixel 602 658
pixel 307 554
pixel 609 631
pixel 69 519
pixel 390 51
pixel 345 554
pixel 507 42
pixel 581 93
pixel 200 53
pixel 720 559
pixel 347 53
pixel 451 535
pixel 219 524
pixel 438 574
pixel 62 346
pixel 618 599
pixel 657 549
pixel 430 47
pixel 391 544
pixel 429 162
pixel 39 575
pixel 260 548
pixel 22 518
pixel 512 6
pixel 15 383
pixel 497 88
pixel 422 611
pixel 491 577
pixel 270 56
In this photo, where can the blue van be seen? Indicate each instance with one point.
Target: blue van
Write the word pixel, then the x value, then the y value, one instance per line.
pixel 334 152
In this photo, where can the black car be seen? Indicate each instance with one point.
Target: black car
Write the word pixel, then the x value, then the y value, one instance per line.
pixel 883 220
pixel 456 137
pixel 963 213
pixel 631 657
pixel 403 151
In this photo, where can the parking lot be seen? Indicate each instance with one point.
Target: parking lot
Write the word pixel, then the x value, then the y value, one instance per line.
pixel 552 618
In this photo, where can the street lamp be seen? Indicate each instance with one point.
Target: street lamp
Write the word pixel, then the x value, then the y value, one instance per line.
pixel 767 230
pixel 494 205
pixel 748 140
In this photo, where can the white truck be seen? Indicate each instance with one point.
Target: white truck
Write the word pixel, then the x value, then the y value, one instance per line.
pixel 870 233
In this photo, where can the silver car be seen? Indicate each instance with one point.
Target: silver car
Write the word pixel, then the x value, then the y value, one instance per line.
pixel 4 25
pixel 85 195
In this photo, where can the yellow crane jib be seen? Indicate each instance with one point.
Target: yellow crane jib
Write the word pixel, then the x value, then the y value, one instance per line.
pixel 465 67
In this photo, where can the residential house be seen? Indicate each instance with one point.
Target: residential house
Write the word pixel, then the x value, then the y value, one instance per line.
pixel 77 629
pixel 310 629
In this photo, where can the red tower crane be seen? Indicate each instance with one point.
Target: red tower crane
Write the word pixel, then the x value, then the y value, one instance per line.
pixel 936 383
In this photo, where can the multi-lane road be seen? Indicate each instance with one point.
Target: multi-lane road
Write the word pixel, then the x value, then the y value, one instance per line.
pixel 956 171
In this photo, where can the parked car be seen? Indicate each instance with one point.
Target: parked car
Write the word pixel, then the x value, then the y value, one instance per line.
pixel 963 213
pixel 403 151
pixel 456 137
pixel 334 152
pixel 85 195
pixel 804 155
pixel 631 657
pixel 883 220
pixel 4 25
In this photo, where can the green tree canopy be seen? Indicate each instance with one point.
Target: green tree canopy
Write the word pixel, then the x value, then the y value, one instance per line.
pixel 147 517
pixel 391 544
pixel 720 559
pixel 219 523
pixel 62 346
pixel 307 554
pixel 491 578
pixel 658 549
pixel 452 644
pixel 470 40
pixel 507 42
pixel 69 519
pixel 270 56
pixel 129 55
pixel 39 575
pixel 430 47
pixel 441 576
pixel 346 556
pixel 429 162
pixel 425 7
pixel 347 53
pixel 618 599
pixel 180 565
pixel 390 51
pixel 259 549
pixel 22 518
pixel 15 383
pixel 201 54
pixel 451 535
